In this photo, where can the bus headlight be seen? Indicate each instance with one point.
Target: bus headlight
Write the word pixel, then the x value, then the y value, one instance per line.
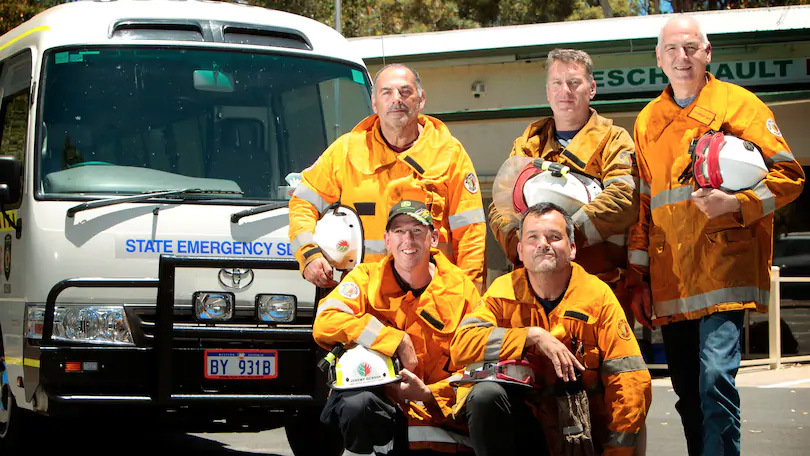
pixel 275 308
pixel 92 324
pixel 213 306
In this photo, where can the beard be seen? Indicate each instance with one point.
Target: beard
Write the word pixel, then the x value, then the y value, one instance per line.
pixel 542 264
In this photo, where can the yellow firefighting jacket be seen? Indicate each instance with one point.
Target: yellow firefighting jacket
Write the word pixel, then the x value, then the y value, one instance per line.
pixel 698 266
pixel 370 308
pixel 603 151
pixel 616 377
pixel 361 171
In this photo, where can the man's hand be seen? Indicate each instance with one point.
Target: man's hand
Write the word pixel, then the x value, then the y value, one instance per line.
pixel 407 354
pixel 642 304
pixel 561 357
pixel 319 272
pixel 411 388
pixel 714 202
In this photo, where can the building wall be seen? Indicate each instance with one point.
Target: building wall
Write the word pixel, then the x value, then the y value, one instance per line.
pixel 513 83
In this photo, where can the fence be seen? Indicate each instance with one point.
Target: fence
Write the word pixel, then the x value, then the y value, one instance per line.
pixel 775 358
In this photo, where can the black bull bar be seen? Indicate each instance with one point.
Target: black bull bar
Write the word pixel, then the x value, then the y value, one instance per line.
pixel 161 392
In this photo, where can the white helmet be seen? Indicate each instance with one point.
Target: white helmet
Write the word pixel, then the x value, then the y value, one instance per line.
pixel 339 235
pixel 361 367
pixel 726 162
pixel 543 181
pixel 518 372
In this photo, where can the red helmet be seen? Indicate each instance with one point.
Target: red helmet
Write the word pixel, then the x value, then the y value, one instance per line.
pixel 513 371
pixel 726 162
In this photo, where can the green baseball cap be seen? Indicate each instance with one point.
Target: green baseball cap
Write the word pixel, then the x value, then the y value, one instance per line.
pixel 415 209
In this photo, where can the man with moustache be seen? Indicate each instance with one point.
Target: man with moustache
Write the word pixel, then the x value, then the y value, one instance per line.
pixel 700 257
pixel 395 148
pixel 536 312
pixel 578 137
pixel 409 305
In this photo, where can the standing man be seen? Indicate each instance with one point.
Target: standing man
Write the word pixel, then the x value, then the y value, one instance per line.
pixel 408 305
pixel 700 257
pixel 538 311
pixel 413 154
pixel 588 144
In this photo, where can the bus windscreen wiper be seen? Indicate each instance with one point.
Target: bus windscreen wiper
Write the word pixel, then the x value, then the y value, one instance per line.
pixel 143 197
pixel 235 217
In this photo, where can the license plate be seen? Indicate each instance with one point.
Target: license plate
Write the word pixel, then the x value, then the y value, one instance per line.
pixel 241 364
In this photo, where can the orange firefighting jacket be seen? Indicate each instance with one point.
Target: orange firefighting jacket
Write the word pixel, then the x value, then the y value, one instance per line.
pixel 616 377
pixel 698 266
pixel 370 308
pixel 358 169
pixel 601 150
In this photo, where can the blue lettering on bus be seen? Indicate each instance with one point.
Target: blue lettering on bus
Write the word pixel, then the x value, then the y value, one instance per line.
pixel 208 247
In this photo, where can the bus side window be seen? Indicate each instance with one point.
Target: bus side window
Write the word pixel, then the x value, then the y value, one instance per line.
pixel 16 84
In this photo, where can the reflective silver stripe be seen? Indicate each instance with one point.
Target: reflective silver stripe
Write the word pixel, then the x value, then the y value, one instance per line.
pixel 436 434
pixel 621 439
pixel 332 303
pixel 352 453
pixel 672 196
pixel 643 187
pixel 466 218
pixel 302 239
pixel 309 195
pixel 494 343
pixel 780 157
pixel 384 449
pixel 704 300
pixel 375 247
pixel 370 332
pixel 626 179
pixel 617 239
pixel 766 196
pixel 472 321
pixel 587 228
pixel 638 257
pixel 626 364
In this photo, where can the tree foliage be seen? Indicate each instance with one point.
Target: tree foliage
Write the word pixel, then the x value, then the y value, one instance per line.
pixel 384 17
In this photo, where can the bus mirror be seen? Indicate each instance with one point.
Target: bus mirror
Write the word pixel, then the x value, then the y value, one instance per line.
pixel 11 178
pixel 212 81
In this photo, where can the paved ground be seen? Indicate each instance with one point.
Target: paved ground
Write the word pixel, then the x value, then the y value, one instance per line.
pixel 775 422
pixel 775 413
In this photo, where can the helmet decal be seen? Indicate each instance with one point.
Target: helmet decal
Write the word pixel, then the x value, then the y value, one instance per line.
pixel 364 369
pixel 342 246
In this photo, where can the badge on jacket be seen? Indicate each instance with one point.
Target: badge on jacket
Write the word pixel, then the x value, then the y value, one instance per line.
pixel 471 183
pixel 624 329
pixel 349 290
pixel 771 124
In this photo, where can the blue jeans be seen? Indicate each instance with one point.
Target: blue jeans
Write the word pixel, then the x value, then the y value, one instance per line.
pixel 703 357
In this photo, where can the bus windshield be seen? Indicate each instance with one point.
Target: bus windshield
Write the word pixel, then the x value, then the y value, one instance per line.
pixel 129 120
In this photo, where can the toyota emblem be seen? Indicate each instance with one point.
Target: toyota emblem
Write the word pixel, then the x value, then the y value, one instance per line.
pixel 236 278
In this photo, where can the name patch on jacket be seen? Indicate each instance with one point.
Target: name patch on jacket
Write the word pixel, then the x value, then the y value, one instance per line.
pixel 577 315
pixel 432 320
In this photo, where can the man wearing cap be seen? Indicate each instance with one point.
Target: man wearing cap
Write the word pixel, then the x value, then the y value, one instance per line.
pixel 537 312
pixel 408 305
pixel 395 147
pixel 591 145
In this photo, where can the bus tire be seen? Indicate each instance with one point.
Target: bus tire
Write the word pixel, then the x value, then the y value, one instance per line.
pixel 306 435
